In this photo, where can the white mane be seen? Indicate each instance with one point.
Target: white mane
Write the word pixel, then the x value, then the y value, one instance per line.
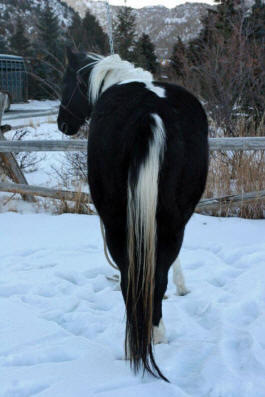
pixel 113 70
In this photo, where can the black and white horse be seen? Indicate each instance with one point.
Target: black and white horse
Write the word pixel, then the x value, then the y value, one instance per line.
pixel 147 168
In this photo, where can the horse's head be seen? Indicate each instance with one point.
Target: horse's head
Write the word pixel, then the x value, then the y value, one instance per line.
pixel 75 105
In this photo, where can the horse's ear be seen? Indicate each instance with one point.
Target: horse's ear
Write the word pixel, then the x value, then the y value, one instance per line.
pixel 71 58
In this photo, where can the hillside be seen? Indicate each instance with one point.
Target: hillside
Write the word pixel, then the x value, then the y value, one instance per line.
pixel 29 11
pixel 164 25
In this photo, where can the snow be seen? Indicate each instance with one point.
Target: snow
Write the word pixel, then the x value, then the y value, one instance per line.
pixel 33 104
pixel 62 321
pixel 32 113
pixel 176 20
pixel 45 174
pixel 62 318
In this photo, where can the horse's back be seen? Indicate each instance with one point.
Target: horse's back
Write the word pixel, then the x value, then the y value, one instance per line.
pixel 120 135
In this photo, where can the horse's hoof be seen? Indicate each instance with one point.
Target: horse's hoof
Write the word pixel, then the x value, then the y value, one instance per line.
pixel 159 333
pixel 182 292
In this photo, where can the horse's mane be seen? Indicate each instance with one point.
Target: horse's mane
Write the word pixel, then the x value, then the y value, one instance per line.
pixel 113 70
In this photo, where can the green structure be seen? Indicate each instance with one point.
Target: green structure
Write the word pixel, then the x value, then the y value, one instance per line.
pixel 13 77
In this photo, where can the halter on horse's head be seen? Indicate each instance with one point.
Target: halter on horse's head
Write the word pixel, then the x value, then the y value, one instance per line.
pixel 75 106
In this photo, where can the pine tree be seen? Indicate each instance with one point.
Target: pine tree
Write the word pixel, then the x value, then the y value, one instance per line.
pixel 49 32
pixel 48 53
pixel 177 58
pixel 226 14
pixel 145 54
pixel 75 31
pixel 19 43
pixel 93 36
pixel 125 34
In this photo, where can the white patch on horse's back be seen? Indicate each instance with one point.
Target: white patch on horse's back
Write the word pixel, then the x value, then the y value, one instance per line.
pixel 113 70
pixel 159 91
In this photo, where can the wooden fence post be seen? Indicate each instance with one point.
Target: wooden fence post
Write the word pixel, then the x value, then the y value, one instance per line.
pixel 10 160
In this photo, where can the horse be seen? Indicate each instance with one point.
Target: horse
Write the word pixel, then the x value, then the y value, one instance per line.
pixel 147 167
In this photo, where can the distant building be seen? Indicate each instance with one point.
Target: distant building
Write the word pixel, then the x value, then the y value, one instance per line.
pixel 13 77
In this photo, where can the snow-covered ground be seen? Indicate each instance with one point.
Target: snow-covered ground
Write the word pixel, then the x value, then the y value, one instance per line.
pixel 31 113
pixel 50 166
pixel 44 175
pixel 62 321
pixel 34 105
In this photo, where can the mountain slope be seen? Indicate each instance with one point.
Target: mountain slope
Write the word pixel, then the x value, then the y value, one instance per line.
pixel 28 11
pixel 164 25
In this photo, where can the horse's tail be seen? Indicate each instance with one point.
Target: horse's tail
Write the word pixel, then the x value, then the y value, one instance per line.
pixel 141 226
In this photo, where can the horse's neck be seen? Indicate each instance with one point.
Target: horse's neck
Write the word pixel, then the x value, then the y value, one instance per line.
pixel 112 70
pixel 117 76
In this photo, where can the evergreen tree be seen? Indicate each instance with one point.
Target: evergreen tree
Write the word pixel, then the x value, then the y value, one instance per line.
pixel 49 33
pixel 217 23
pixel 93 36
pixel 19 43
pixel 125 34
pixel 48 54
pixel 145 54
pixel 225 17
pixel 177 58
pixel 75 31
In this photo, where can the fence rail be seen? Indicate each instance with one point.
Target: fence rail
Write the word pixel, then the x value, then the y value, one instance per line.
pixel 215 203
pixel 44 192
pixel 8 158
pixel 28 192
pixel 230 201
pixel 76 145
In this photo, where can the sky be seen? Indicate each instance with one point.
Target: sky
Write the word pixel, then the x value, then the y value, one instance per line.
pixel 166 3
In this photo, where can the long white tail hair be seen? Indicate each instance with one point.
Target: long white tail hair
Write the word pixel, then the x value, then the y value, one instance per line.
pixel 141 226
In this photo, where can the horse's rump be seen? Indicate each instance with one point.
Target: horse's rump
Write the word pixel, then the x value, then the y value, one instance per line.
pixel 147 168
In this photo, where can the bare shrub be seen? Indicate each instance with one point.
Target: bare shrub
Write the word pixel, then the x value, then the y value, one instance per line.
pixel 228 74
pixel 224 67
pixel 27 162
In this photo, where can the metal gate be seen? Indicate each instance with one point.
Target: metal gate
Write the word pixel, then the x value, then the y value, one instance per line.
pixel 13 77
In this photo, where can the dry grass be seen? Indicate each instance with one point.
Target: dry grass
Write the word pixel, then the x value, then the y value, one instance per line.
pixel 236 173
pixel 77 206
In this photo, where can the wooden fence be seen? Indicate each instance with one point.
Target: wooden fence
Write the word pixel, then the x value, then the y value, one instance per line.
pixel 214 203
pixel 76 145
pixel 8 158
pixel 28 192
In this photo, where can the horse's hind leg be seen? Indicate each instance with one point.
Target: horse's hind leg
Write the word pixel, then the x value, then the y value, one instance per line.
pixel 159 333
pixel 161 279
pixel 168 248
pixel 159 330
pixel 178 279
